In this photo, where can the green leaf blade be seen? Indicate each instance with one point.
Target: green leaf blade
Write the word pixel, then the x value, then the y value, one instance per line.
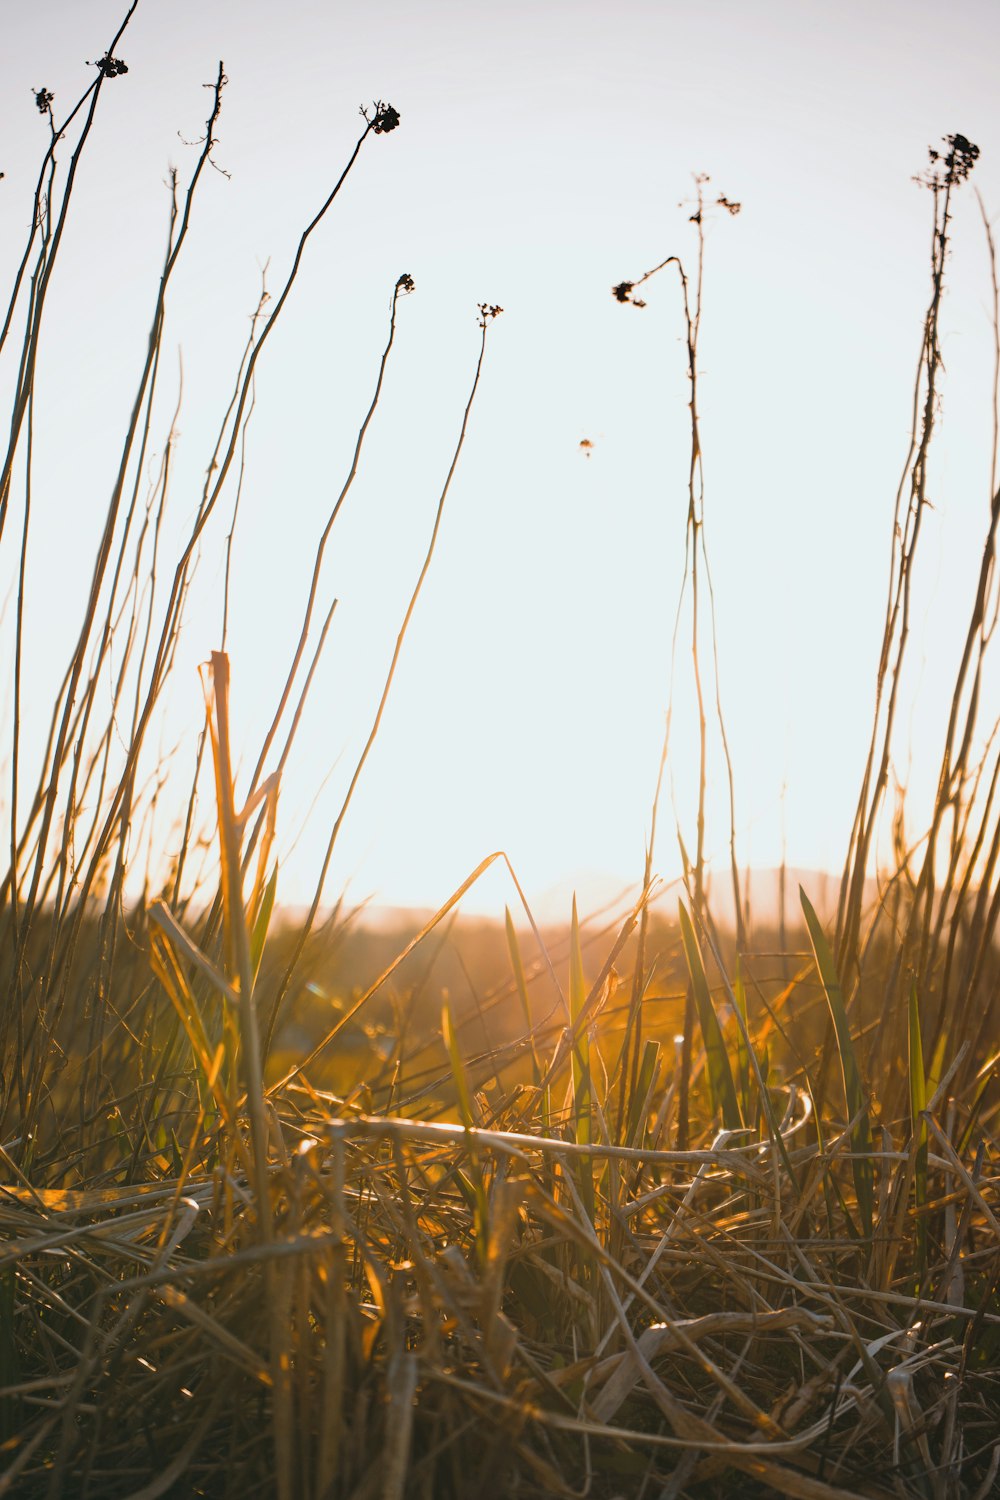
pixel 854 1094
pixel 720 1075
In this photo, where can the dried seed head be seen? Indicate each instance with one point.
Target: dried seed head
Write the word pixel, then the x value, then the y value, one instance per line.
pixel 948 168
pixel 110 67
pixel 386 118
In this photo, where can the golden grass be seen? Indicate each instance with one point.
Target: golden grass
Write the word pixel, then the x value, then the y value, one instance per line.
pixel 533 1247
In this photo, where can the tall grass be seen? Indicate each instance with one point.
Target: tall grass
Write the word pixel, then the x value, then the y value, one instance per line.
pixel 279 1217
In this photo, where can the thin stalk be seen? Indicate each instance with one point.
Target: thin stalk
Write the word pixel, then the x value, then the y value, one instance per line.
pixel 487 314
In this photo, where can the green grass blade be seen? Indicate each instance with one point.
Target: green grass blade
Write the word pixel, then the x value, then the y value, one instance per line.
pixel 749 1066
pixel 581 1049
pixel 582 1086
pixel 720 1076
pixel 936 1069
pixel 457 1068
pixel 763 1096
pixel 259 935
pixel 857 1103
pixel 918 1081
pixel 514 949
pixel 647 1072
pixel 475 1179
pixel 742 1035
pixel 918 1103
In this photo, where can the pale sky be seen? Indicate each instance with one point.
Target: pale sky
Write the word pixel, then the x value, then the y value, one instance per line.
pixel 543 152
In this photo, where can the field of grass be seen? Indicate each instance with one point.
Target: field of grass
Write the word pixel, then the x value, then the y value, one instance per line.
pixel 658 1209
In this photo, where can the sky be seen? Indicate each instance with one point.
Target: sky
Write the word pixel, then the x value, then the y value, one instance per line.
pixel 546 152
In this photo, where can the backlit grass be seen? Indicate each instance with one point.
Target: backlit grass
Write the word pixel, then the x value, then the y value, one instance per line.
pixel 657 1211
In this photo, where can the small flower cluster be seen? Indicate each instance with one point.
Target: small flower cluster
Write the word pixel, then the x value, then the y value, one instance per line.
pixel 487 312
pixel 623 293
pixel 406 283
pixel 384 119
pixel 955 164
pixel 43 100
pixel 387 119
pixel 961 158
pixel 729 204
pixel 110 67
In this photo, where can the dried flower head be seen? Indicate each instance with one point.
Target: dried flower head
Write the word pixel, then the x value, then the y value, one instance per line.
pixel 487 312
pixel 43 100
pixel 962 157
pixel 623 293
pixel 728 204
pixel 110 67
pixel 406 283
pixel 384 119
pixel 953 166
